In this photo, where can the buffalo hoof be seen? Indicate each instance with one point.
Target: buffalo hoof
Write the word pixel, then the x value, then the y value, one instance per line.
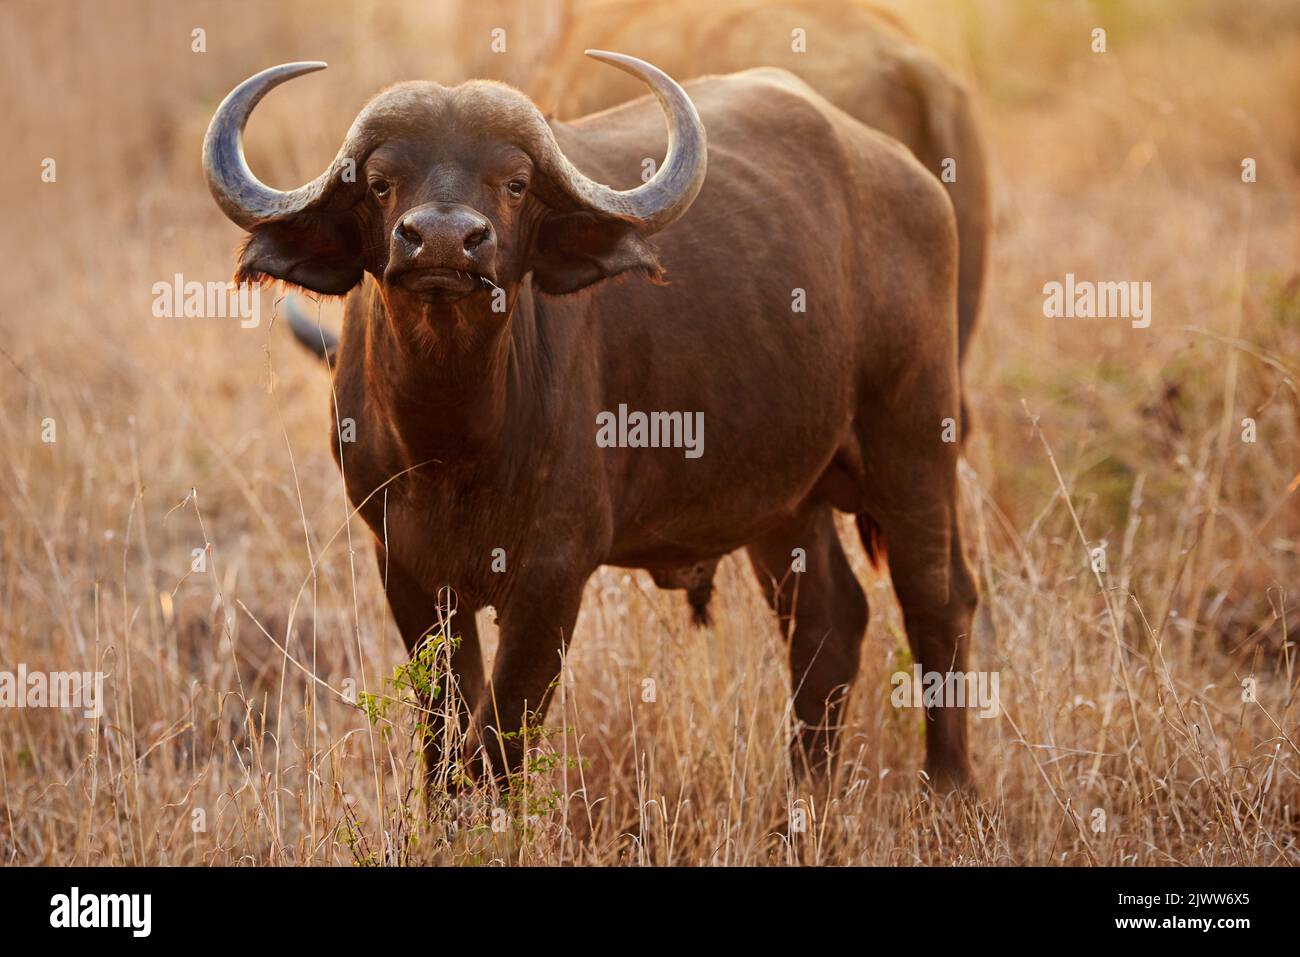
pixel 951 779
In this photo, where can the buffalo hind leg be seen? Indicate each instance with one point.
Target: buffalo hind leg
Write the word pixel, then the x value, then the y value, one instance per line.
pixel 937 595
pixel 917 517
pixel 823 613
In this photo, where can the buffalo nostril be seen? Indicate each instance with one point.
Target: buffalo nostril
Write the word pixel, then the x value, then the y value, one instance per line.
pixel 477 237
pixel 406 229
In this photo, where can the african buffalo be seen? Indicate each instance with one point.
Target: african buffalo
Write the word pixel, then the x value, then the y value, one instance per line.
pixel 502 303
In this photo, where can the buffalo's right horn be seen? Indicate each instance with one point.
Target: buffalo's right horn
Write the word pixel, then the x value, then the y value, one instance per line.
pixel 241 195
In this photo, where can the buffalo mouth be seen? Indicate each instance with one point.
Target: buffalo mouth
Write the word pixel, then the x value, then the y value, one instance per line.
pixel 440 284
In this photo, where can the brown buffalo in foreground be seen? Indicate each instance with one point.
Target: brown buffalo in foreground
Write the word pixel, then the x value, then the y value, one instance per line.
pixel 502 304
pixel 863 59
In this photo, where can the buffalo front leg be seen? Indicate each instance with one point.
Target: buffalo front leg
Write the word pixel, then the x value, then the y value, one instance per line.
pixel 535 630
pixel 820 607
pixel 456 672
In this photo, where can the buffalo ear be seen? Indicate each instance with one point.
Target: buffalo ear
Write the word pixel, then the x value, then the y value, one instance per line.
pixel 317 253
pixel 575 250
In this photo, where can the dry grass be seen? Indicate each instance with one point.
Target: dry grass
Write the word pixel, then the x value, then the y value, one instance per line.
pixel 1121 691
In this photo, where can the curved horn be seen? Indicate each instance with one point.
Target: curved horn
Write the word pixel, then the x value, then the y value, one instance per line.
pixel 670 192
pixel 241 195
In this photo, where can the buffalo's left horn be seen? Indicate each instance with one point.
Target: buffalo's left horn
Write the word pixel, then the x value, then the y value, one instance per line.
pixel 670 192
pixel 241 195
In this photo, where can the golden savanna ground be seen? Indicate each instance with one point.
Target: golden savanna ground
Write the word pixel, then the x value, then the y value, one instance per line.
pixel 1123 738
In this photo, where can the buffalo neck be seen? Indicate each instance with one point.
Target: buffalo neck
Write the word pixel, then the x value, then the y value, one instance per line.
pixel 456 391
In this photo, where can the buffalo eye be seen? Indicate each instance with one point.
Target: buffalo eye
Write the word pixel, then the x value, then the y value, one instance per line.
pixel 516 187
pixel 381 188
